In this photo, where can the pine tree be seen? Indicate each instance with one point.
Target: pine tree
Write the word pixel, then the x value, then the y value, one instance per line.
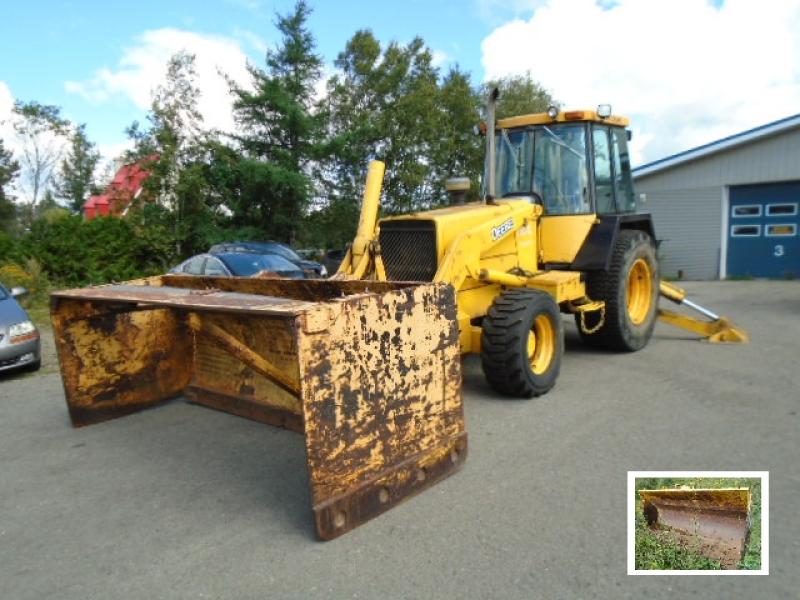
pixel 8 171
pixel 75 182
pixel 282 135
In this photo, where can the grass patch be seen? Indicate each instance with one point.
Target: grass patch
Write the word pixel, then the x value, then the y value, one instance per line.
pixel 39 311
pixel 656 552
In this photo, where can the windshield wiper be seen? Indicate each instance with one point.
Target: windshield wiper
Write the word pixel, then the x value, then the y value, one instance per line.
pixel 561 142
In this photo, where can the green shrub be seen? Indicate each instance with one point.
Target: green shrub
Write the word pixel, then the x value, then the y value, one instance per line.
pixel 74 252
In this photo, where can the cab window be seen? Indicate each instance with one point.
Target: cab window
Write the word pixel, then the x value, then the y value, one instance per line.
pixel 560 174
pixel 623 187
pixel 604 185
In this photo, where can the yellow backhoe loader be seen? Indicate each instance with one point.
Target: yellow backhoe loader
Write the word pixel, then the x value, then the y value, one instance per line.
pixel 558 232
pixel 367 365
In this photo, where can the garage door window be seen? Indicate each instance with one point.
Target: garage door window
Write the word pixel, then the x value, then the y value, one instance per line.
pixel 747 210
pixel 781 230
pixel 746 231
pixel 782 210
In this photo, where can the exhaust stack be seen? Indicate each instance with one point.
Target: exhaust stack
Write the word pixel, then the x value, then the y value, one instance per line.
pixel 491 106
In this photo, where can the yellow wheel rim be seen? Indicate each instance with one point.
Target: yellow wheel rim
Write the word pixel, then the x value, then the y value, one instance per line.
pixel 640 291
pixel 541 344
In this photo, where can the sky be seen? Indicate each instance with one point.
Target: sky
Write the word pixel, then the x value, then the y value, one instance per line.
pixel 686 72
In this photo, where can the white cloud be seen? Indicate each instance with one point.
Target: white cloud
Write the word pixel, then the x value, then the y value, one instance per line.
pixel 494 11
pixel 6 106
pixel 440 58
pixel 685 71
pixel 143 67
pixel 255 41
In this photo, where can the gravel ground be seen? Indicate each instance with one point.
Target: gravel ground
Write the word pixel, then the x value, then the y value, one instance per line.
pixel 186 502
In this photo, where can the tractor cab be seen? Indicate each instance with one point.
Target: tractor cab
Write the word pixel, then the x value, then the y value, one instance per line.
pixel 573 163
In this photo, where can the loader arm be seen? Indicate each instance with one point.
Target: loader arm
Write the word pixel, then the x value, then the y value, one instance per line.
pixel 463 257
pixel 357 260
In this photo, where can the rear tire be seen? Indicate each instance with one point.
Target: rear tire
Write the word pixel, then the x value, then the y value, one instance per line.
pixel 630 290
pixel 522 342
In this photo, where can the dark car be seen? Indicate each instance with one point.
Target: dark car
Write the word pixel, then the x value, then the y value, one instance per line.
pixel 20 346
pixel 238 264
pixel 313 268
pixel 332 259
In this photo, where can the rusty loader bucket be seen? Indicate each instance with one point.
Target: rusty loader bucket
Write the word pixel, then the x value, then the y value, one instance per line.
pixel 368 372
pixel 713 522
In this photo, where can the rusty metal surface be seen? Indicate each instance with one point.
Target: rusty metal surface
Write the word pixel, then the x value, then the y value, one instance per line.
pixel 382 385
pixel 177 297
pixel 712 522
pixel 115 362
pixel 370 372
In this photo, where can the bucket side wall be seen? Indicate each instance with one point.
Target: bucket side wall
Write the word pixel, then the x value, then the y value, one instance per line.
pixel 116 360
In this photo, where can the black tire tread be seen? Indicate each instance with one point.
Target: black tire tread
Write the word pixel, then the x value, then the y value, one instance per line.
pixel 604 285
pixel 504 329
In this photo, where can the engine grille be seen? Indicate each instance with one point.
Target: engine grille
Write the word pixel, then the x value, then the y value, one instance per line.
pixel 409 250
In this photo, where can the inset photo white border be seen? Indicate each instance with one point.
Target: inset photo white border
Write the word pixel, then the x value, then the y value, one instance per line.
pixel 763 475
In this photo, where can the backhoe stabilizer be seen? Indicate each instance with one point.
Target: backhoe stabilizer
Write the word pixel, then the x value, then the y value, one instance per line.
pixel 713 328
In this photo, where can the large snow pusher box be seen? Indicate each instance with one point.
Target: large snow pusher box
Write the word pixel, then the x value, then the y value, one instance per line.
pixel 368 371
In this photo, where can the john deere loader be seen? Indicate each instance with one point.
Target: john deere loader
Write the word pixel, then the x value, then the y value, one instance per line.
pixel 557 233
pixel 367 365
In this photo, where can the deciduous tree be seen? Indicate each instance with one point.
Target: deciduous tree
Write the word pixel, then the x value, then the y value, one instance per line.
pixel 40 129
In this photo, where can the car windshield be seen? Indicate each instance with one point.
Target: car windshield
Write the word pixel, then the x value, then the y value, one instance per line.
pixel 284 251
pixel 246 264
pixel 264 247
pixel 3 293
pixel 549 160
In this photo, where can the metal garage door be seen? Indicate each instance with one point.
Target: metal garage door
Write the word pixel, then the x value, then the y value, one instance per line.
pixel 763 236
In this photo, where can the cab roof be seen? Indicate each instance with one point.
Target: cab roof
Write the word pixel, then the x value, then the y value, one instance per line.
pixel 562 117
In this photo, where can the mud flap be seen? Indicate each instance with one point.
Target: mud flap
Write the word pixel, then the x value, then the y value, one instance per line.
pixel 369 372
pixel 712 522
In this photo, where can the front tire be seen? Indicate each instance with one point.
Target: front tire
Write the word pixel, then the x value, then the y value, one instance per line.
pixel 630 290
pixel 522 343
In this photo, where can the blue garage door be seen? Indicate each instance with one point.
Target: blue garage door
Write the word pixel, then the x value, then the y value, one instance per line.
pixel 763 236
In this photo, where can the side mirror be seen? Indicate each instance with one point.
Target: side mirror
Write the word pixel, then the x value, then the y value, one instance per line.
pixel 16 292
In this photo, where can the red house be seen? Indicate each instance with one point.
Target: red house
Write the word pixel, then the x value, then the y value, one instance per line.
pixel 126 187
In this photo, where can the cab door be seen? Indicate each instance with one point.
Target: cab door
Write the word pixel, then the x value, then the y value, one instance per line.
pixel 561 176
pixel 613 184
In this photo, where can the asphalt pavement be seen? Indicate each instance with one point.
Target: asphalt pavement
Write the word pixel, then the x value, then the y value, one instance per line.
pixel 186 502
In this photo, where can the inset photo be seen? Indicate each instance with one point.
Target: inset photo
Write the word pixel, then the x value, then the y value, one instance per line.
pixel 692 523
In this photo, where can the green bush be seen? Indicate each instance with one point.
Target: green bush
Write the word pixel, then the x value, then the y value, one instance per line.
pixel 8 247
pixel 75 252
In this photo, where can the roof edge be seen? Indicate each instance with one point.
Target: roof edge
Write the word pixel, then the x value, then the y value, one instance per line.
pixel 725 143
